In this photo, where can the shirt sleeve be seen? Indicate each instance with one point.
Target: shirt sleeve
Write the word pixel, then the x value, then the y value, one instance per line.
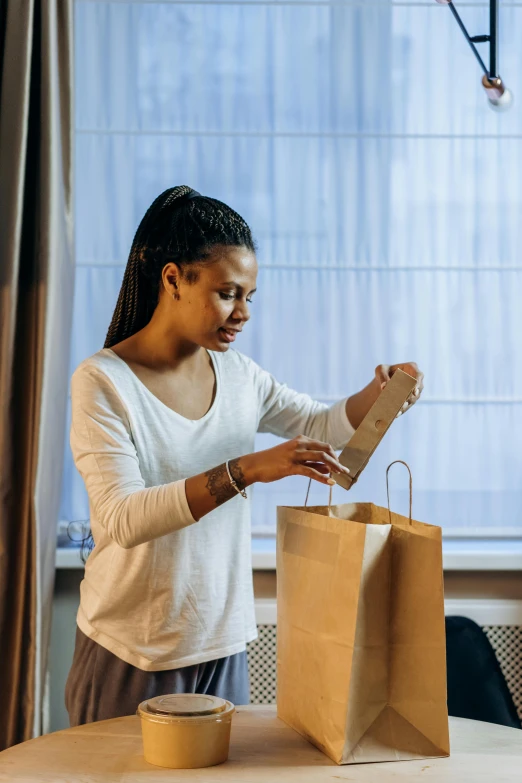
pixel 105 456
pixel 288 413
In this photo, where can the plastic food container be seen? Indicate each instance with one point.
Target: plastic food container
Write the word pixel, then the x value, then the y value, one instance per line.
pixel 186 730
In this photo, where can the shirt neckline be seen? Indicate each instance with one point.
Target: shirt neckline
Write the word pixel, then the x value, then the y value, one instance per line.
pixel 166 407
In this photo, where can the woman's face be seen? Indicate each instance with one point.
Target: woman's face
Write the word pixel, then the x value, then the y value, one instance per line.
pixel 211 311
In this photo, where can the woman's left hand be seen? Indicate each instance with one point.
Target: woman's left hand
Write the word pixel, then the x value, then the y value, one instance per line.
pixel 384 372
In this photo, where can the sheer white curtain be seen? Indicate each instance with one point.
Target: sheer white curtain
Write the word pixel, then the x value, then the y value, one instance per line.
pixel 385 195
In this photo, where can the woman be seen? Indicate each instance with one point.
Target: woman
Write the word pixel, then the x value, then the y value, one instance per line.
pixel 163 426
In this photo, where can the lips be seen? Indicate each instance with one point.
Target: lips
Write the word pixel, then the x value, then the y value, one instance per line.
pixel 229 334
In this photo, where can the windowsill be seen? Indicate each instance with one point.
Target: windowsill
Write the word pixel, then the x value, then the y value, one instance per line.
pixel 458 555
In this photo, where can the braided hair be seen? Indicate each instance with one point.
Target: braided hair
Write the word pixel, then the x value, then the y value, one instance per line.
pixel 180 226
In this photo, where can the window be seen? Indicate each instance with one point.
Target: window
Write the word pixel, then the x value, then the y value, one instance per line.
pixel 385 195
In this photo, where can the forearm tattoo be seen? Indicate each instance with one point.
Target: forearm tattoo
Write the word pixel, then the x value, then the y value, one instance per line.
pixel 218 483
pixel 237 473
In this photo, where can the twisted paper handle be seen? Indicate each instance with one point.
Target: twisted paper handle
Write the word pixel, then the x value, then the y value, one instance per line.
pixel 387 489
pixel 329 498
pixel 388 486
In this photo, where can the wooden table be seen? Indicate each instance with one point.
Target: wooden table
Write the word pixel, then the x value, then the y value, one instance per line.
pixel 263 748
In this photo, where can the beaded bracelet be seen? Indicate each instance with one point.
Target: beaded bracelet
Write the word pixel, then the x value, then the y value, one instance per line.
pixel 240 491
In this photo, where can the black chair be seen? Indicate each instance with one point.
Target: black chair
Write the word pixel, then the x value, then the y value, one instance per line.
pixel 476 686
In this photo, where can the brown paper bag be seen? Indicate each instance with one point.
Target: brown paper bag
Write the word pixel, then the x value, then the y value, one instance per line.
pixel 361 653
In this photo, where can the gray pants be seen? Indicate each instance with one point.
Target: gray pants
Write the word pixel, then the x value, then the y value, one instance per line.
pixel 100 685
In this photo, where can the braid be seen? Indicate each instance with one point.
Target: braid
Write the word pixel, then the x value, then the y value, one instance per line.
pixel 180 226
pixel 125 312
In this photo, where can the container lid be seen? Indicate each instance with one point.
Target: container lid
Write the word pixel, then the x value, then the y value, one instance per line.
pixel 185 705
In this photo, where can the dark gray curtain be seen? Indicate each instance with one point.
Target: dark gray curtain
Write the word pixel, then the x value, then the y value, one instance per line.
pixel 36 295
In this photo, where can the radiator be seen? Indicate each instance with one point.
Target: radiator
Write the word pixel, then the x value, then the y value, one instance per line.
pixel 505 639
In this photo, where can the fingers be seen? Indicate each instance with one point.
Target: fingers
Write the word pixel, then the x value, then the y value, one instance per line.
pixel 309 443
pixel 420 382
pixel 412 399
pixel 318 466
pixel 318 456
pixel 382 373
pixel 408 367
pixel 409 402
pixel 307 455
pixel 412 369
pixel 305 470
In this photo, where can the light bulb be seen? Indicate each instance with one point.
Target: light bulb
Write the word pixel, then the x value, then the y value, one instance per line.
pixel 499 97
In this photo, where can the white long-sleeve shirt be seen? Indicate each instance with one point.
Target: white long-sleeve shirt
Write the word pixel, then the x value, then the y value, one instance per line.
pixel 160 590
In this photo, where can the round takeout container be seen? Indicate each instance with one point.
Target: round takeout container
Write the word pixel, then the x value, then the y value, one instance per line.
pixel 186 730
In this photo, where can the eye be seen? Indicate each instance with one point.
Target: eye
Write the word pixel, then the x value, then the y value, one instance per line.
pixel 231 296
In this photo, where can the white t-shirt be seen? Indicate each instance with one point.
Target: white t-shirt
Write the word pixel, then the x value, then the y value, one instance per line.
pixel 162 591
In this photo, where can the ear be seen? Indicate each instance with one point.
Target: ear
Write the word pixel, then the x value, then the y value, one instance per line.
pixel 171 276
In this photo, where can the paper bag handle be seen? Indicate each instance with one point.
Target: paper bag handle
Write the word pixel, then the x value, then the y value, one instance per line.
pixel 387 489
pixel 329 498
pixel 388 486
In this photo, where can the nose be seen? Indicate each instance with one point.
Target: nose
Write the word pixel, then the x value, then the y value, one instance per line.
pixel 241 311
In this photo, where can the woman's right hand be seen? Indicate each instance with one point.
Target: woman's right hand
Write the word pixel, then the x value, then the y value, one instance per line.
pixel 300 456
